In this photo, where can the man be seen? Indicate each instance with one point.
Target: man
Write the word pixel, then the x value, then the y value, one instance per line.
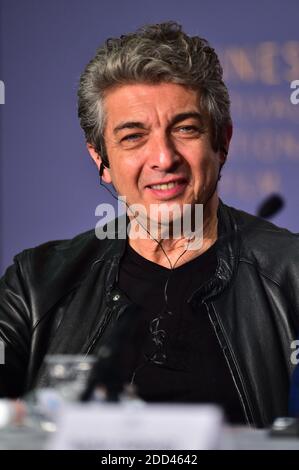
pixel 216 321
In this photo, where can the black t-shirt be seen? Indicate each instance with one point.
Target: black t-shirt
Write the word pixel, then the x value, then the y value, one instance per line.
pixel 181 360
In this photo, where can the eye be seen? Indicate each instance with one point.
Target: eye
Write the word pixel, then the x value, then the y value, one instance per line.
pixel 131 137
pixel 188 130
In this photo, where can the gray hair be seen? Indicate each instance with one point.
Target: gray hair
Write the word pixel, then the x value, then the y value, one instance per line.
pixel 154 54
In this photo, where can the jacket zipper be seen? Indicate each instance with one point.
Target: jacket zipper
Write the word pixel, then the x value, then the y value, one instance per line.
pixel 230 369
pixel 101 328
pixel 107 318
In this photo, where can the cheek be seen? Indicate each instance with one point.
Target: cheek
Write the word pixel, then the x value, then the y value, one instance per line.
pixel 206 165
pixel 206 172
pixel 134 171
pixel 210 162
pixel 125 176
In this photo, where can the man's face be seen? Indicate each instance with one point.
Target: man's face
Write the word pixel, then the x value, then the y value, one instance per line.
pixel 158 145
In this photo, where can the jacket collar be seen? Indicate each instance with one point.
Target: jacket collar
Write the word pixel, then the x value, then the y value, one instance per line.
pixel 227 249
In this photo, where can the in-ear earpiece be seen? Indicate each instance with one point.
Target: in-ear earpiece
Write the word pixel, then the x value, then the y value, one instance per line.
pixel 101 151
pixel 219 172
pixel 101 171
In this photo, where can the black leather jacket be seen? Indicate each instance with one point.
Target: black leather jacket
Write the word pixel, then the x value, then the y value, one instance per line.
pixel 62 297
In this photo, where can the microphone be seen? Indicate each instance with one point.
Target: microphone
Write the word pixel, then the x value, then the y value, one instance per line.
pixel 270 206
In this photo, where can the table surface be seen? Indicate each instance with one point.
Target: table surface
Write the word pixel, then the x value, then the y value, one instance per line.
pixel 233 438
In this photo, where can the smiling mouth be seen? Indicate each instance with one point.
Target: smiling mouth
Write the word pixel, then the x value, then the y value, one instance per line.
pixel 164 186
pixel 169 190
pixel 167 185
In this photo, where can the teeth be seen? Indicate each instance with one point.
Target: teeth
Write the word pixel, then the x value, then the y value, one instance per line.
pixel 164 186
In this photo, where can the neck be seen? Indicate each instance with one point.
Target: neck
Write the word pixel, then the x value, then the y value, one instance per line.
pixel 173 252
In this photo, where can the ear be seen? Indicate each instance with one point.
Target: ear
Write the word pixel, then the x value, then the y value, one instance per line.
pixel 98 160
pixel 226 141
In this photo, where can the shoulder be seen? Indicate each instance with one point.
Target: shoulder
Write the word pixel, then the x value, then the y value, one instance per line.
pixel 271 248
pixel 54 255
pixel 82 250
pixel 59 265
pixel 256 232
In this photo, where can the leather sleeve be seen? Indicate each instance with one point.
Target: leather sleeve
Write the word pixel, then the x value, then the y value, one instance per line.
pixel 15 332
pixel 291 279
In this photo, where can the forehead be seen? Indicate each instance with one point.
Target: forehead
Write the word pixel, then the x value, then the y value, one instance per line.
pixel 145 102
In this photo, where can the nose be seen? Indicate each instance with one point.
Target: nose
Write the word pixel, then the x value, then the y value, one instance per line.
pixel 162 154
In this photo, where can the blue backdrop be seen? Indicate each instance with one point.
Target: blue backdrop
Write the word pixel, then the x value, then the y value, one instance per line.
pixel 49 187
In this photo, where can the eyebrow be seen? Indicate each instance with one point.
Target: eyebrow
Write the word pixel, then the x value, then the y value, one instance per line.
pixel 183 116
pixel 128 125
pixel 139 125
